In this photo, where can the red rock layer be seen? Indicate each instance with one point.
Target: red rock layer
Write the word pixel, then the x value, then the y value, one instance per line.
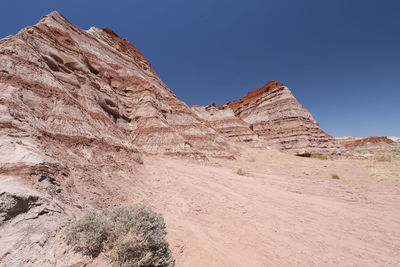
pixel 369 145
pixel 59 81
pixel 273 114
pixel 93 86
pixel 253 96
pixel 353 142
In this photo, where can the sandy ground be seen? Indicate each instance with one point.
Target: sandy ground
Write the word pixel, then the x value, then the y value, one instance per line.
pixel 285 210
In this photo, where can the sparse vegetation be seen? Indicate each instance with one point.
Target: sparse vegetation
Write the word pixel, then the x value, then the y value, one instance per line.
pixel 89 234
pixel 138 159
pixel 383 158
pixel 128 236
pixel 335 176
pixel 318 156
pixel 240 171
pixel 251 159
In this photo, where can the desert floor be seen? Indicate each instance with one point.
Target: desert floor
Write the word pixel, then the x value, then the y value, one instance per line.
pixel 284 211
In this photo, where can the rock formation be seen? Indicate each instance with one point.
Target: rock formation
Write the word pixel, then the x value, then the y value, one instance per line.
pixel 223 119
pixel 370 145
pixel 271 115
pixel 93 86
pixel 62 83
pixel 359 141
pixel 78 109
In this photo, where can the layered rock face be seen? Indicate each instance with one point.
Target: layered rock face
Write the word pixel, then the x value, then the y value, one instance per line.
pixel 272 116
pixel 359 141
pixel 76 110
pixel 223 119
pixel 93 86
pixel 370 145
pixel 60 82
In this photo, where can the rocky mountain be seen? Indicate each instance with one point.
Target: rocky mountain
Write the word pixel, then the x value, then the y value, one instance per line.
pixel 79 108
pixel 76 110
pixel 86 124
pixel 93 86
pixel 72 85
pixel 270 116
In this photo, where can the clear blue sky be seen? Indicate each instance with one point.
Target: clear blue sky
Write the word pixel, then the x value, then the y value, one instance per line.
pixel 340 58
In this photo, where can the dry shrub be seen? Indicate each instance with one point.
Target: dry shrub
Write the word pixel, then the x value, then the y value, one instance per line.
pixel 89 234
pixel 318 156
pixel 141 241
pixel 240 171
pixel 335 176
pixel 129 236
pixel 251 159
pixel 383 158
pixel 138 159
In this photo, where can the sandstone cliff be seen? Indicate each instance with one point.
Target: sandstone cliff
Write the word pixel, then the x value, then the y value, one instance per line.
pixel 93 86
pixel 76 109
pixel 270 116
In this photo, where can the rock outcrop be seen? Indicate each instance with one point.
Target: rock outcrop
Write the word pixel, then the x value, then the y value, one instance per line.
pixel 77 109
pixel 271 115
pixel 360 141
pixel 370 145
pixel 223 119
pixel 93 86
pixel 30 224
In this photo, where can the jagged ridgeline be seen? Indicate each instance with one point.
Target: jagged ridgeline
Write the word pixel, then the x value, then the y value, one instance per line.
pixel 93 86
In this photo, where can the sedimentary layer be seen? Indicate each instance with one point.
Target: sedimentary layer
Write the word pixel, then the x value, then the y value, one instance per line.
pixel 84 86
pixel 372 144
pixel 273 117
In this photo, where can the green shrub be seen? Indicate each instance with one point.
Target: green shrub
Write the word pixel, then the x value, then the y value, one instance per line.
pixel 318 156
pixel 134 236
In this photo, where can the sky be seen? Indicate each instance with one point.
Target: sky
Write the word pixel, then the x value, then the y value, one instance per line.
pixel 340 58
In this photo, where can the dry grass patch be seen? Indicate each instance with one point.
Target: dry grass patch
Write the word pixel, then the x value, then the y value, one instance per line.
pixel 318 156
pixel 383 158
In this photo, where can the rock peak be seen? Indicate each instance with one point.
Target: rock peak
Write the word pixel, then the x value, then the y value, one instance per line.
pixel 56 20
pixel 94 87
pixel 270 116
pixel 53 16
pixel 55 13
pixel 254 94
pixel 272 82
